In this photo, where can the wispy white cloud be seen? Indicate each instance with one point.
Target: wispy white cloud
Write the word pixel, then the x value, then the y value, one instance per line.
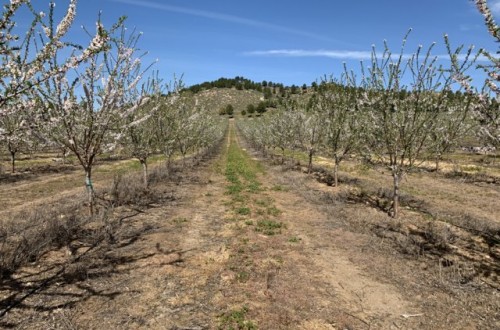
pixel 335 54
pixel 223 17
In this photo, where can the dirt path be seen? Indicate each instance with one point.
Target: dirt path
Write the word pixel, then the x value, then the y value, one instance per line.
pixel 236 249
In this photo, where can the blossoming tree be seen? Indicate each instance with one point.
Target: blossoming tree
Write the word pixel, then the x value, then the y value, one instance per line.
pixel 25 65
pixel 405 98
pixel 86 113
pixel 488 113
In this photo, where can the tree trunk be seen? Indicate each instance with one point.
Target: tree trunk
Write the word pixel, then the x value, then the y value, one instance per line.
pixel 395 198
pixel 438 160
pixel 169 161
pixel 309 167
pixel 64 156
pixel 144 164
pixel 336 172
pixel 13 160
pixel 90 189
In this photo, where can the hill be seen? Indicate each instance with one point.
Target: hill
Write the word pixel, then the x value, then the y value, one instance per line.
pixel 217 98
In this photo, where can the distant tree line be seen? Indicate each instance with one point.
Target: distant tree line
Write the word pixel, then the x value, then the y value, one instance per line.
pixel 269 88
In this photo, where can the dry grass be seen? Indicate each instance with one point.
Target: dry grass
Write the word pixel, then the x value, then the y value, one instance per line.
pixel 455 258
pixel 449 222
pixel 28 235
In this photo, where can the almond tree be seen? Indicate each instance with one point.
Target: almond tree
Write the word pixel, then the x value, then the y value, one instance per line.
pixel 284 130
pixel 187 121
pixel 140 138
pixel 195 129
pixel 342 118
pixel 24 65
pixel 15 133
pixel 82 114
pixel 22 62
pixel 313 129
pixel 257 132
pixel 403 116
pixel 454 122
pixel 488 110
pixel 206 129
pixel 166 119
pixel 166 128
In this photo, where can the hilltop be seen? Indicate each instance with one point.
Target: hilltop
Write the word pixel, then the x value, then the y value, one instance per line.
pixel 241 92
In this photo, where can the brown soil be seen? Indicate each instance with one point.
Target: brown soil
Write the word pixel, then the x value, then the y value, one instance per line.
pixel 193 264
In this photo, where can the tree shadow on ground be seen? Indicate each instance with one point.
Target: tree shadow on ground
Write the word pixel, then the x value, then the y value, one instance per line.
pixel 63 284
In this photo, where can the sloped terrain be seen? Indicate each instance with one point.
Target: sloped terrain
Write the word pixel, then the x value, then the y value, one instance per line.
pixel 217 98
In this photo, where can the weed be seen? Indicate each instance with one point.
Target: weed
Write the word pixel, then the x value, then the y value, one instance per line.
pixel 236 320
pixel 254 187
pixel 264 202
pixel 294 239
pixel 234 189
pixel 274 211
pixel 241 171
pixel 243 211
pixel 249 223
pixel 269 227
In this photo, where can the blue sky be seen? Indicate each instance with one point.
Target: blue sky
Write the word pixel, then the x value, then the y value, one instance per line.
pixel 292 42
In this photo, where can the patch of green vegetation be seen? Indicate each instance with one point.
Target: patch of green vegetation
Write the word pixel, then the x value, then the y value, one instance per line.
pixel 269 227
pixel 249 222
pixel 234 189
pixel 243 211
pixel 294 239
pixel 264 202
pixel 241 166
pixel 254 187
pixel 274 211
pixel 236 320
